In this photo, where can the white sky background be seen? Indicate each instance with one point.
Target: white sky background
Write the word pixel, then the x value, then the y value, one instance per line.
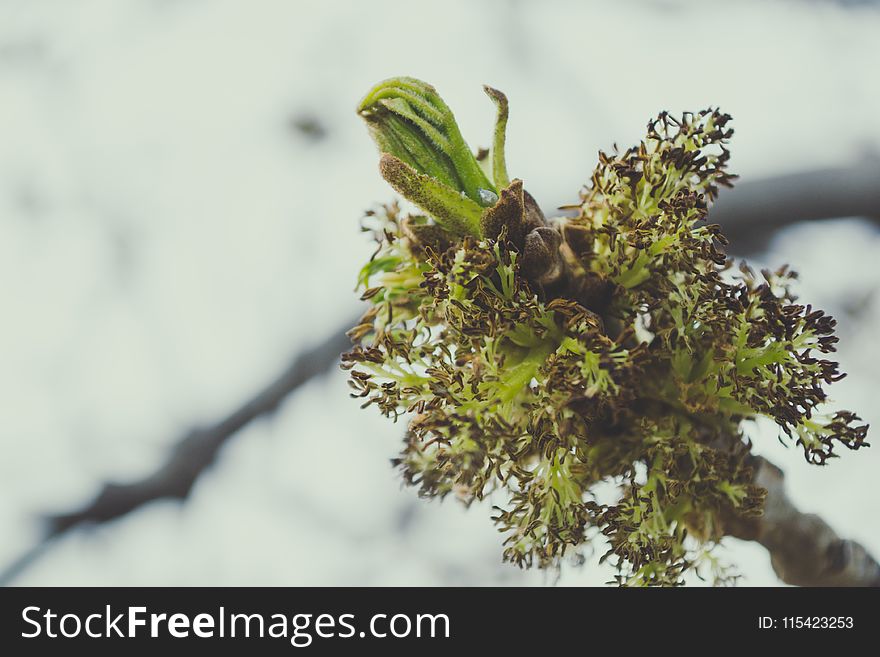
pixel 168 241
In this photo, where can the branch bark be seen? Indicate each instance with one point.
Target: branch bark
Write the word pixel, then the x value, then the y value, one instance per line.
pixel 192 454
pixel 197 450
pixel 804 549
pixel 752 211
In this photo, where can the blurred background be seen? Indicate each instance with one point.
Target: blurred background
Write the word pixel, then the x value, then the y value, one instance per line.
pixel 180 188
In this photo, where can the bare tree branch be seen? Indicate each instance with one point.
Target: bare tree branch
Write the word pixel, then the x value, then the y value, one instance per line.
pixel 194 453
pixel 804 550
pixel 752 211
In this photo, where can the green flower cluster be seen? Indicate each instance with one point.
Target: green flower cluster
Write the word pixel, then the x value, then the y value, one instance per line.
pixel 536 359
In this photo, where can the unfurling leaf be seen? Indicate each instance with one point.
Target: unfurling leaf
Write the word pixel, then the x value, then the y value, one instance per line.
pixel 408 119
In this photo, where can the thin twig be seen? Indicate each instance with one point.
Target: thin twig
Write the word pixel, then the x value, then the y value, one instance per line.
pixel 192 455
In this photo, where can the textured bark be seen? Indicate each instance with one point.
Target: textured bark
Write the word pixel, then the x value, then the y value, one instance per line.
pixel 804 549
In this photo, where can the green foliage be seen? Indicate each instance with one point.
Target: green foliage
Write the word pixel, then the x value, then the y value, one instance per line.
pixel 409 120
pixel 538 361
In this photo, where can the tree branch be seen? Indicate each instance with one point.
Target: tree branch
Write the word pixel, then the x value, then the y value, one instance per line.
pixel 804 550
pixel 752 211
pixel 193 454
pixel 197 450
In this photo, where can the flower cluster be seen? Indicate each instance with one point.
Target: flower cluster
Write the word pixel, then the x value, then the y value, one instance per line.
pixel 538 359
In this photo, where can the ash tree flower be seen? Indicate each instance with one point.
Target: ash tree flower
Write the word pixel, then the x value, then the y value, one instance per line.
pixel 536 359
